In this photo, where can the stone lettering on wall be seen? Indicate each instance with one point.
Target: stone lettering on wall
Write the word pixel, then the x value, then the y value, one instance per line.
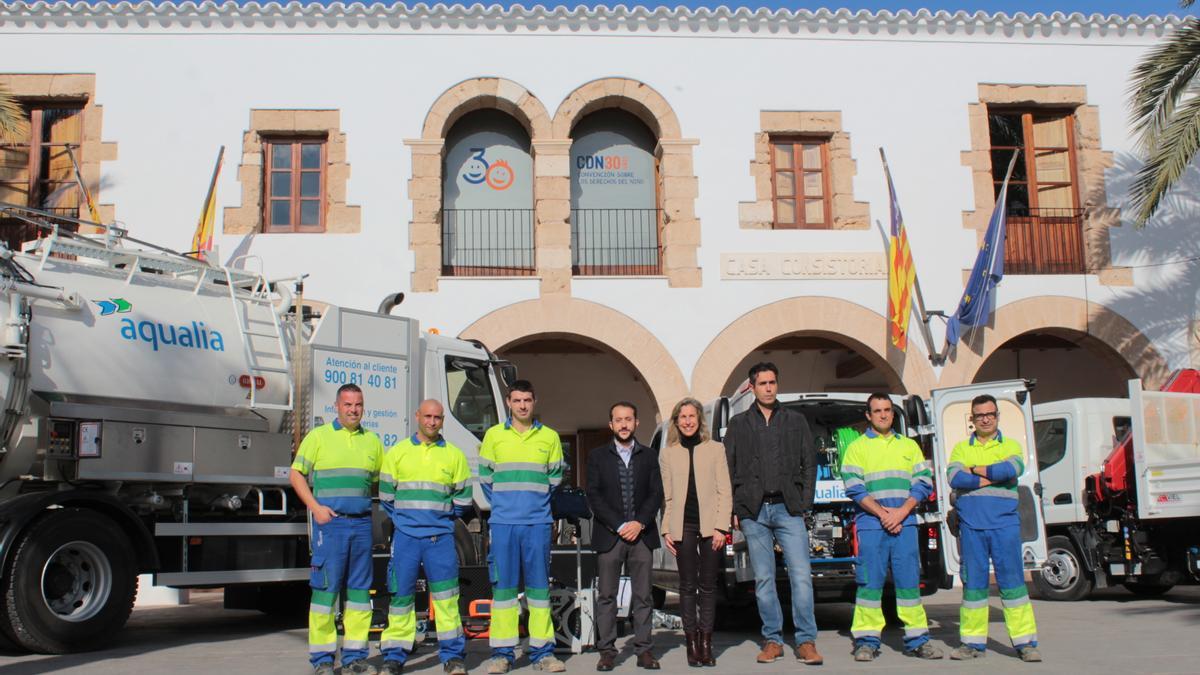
pixel 767 266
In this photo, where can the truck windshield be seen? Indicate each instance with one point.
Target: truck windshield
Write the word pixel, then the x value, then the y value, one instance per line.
pixel 469 393
pixel 834 425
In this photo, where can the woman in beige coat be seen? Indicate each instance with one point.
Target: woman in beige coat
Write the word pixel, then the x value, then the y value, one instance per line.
pixel 697 503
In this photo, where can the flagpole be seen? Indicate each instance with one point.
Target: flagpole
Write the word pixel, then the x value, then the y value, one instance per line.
pixel 87 195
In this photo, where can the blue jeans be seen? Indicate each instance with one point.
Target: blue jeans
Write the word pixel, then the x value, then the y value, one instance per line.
pixel 773 524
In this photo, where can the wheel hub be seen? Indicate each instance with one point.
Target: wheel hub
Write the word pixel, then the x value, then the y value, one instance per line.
pixel 1061 569
pixel 76 581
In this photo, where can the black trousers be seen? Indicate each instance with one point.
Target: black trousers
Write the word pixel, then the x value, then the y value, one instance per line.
pixel 698 565
pixel 637 559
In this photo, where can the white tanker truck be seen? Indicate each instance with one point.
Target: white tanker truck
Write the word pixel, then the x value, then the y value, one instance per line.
pixel 151 403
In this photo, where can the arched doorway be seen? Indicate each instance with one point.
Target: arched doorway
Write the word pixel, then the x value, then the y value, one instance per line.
pixel 1066 364
pixel 816 361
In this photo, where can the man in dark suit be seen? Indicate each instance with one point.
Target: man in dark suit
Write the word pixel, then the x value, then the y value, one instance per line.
pixel 625 490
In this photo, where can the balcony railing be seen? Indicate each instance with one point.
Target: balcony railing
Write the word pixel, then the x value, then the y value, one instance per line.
pixel 615 242
pixel 16 231
pixel 487 242
pixel 1044 241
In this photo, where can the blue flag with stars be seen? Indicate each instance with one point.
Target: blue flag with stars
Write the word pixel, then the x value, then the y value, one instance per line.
pixel 975 308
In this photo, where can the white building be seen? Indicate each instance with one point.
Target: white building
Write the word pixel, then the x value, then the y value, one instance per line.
pixel 634 203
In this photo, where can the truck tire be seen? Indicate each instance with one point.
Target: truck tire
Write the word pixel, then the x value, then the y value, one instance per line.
pixel 72 583
pixel 1063 577
pixel 1147 589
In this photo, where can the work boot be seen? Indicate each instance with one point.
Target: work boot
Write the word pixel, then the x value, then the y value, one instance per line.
pixel 693 648
pixel 966 653
pixel 607 661
pixel 864 653
pixel 392 668
pixel 498 665
pixel 323 669
pixel 359 667
pixel 646 660
pixel 1030 654
pixel 705 649
pixel 454 667
pixel 771 652
pixel 925 651
pixel 806 653
pixel 550 664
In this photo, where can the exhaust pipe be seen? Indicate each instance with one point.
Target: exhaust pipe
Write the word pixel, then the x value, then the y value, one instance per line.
pixel 390 302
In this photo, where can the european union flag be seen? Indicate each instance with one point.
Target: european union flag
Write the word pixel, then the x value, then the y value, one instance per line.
pixel 975 307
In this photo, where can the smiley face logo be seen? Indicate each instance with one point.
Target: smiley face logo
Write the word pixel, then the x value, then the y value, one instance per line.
pixel 476 168
pixel 500 176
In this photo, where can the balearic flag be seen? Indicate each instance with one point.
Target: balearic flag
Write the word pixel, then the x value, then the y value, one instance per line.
pixel 202 240
pixel 975 307
pixel 901 273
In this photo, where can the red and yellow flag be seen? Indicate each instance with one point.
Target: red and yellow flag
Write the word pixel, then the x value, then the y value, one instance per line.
pixel 202 240
pixel 901 274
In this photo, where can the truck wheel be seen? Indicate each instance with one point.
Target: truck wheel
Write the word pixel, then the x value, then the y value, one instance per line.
pixel 1063 576
pixel 1147 590
pixel 72 584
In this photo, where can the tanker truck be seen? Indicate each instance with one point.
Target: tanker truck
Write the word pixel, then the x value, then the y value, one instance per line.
pixel 151 405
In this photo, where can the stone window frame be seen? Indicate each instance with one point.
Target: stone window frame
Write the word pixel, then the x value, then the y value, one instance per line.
pixel 846 213
pixel 76 89
pixel 294 172
pixel 247 218
pixel 1091 162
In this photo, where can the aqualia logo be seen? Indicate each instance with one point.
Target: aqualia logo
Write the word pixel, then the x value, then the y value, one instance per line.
pixel 193 335
pixel 497 175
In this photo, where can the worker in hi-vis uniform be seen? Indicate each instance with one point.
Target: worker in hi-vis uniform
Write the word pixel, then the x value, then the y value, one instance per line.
pixel 983 473
pixel 340 461
pixel 887 477
pixel 520 462
pixel 423 486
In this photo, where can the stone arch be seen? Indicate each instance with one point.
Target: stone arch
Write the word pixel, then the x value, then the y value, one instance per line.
pixel 852 324
pixel 486 92
pixel 567 316
pixel 1070 314
pixel 633 96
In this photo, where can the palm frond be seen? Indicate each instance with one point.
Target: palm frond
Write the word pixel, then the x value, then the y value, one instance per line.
pixel 1173 151
pixel 1159 80
pixel 12 116
pixel 1186 3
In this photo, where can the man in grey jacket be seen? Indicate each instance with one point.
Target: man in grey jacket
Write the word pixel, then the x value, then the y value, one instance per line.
pixel 773 467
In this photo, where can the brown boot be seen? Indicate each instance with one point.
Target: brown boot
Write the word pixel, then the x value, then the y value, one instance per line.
pixel 706 653
pixel 771 652
pixel 807 653
pixel 693 648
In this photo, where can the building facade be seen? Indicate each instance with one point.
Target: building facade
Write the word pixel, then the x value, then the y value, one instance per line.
pixel 631 203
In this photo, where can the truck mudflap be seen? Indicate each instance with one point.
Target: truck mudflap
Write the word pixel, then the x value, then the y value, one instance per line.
pixel 16 513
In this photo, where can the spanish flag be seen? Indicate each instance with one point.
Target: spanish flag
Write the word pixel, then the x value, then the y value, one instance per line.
pixel 202 240
pixel 901 273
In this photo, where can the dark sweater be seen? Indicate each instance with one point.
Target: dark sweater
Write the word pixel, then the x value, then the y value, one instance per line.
pixel 691 506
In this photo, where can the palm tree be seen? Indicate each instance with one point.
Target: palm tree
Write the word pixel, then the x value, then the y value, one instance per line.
pixel 12 116
pixel 1164 100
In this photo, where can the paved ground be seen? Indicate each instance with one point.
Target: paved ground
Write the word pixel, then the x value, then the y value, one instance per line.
pixel 1113 633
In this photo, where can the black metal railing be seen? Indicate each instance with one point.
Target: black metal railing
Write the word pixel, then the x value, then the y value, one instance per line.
pixel 1044 241
pixel 15 232
pixel 487 242
pixel 615 241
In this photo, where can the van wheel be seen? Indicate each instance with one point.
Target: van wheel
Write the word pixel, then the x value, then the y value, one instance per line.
pixel 1063 577
pixel 72 584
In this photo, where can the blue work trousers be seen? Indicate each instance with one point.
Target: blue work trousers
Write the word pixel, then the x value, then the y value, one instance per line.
pixel 439 557
pixel 878 553
pixel 520 552
pixel 774 524
pixel 341 566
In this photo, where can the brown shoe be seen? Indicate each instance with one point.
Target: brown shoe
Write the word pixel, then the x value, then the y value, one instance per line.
pixel 693 648
pixel 606 662
pixel 706 654
pixel 807 653
pixel 771 652
pixel 646 660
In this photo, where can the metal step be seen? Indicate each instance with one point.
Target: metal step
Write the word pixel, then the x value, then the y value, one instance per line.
pixel 269 369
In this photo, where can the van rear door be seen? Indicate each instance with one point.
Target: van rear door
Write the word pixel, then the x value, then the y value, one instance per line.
pixel 951 410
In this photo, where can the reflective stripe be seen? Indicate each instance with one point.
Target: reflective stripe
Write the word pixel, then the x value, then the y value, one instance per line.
pixel 353 644
pixel 878 475
pixel 1021 640
pixel 344 492
pixel 980 640
pixel 505 604
pixel 304 462
pixel 908 602
pixel 866 602
pixel 974 604
pixel 395 644
pixel 484 462
pixel 401 610
pixel 422 485
pixel 465 501
pixel 533 602
pixel 504 642
pixel 520 487
pixel 450 634
pixel 856 470
pixel 336 473
pixel 920 466
pixel 1016 602
pixel 865 633
pixel 320 649
pixel 485 480
pixel 852 482
pixel 915 632
pixel 314 608
pixel 428 506
pixel 521 466
pixel 889 494
pixel 989 491
pixel 385 497
pixel 358 606
pixel 538 642
pixel 447 594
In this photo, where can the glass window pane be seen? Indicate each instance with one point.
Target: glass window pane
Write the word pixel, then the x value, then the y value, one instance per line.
pixel 310 156
pixel 814 185
pixel 1005 130
pixel 812 156
pixel 281 155
pixel 281 184
pixel 1053 166
pixel 281 212
pixel 783 155
pixel 814 211
pixel 1054 197
pixel 785 211
pixel 310 184
pixel 1018 198
pixel 470 395
pixel 785 183
pixel 1050 441
pixel 1050 131
pixel 1000 160
pixel 310 212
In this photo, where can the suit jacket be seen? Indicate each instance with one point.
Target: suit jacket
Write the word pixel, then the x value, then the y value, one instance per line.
pixel 604 494
pixel 713 489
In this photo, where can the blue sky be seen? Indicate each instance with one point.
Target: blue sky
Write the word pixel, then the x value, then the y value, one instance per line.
pixel 1143 7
